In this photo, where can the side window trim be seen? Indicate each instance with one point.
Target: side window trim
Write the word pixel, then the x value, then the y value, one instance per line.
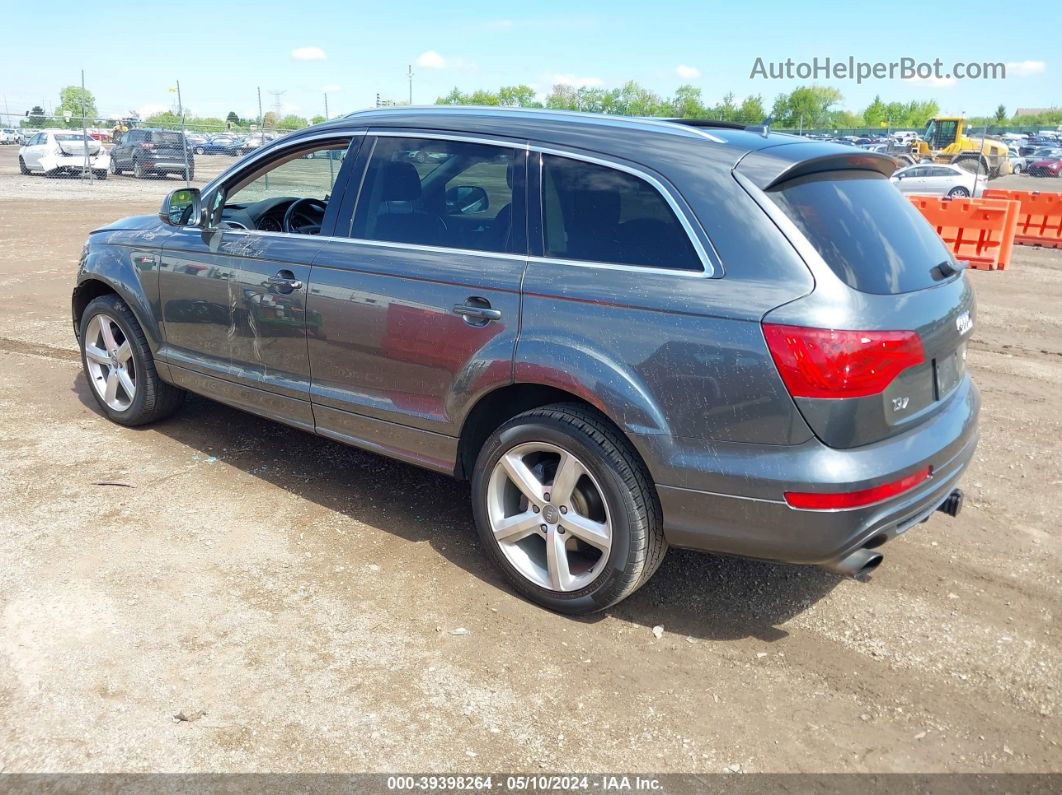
pixel 709 259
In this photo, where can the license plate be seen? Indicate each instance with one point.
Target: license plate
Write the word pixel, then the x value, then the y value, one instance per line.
pixel 950 370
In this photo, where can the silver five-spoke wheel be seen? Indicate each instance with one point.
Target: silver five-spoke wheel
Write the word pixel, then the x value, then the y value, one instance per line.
pixel 109 358
pixel 549 516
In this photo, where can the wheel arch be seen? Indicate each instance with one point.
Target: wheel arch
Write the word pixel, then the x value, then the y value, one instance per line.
pixel 93 284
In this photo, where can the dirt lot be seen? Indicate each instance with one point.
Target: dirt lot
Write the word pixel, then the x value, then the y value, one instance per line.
pixel 303 595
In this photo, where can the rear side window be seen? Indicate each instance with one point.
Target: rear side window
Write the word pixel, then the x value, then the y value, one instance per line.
pixel 600 214
pixel 868 233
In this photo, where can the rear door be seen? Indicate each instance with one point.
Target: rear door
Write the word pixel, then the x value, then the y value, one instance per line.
pixel 879 267
pixel 419 305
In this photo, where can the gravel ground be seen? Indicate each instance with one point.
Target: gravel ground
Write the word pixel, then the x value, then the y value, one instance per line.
pixel 299 600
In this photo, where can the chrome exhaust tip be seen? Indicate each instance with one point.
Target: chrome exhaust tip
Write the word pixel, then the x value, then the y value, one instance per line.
pixel 858 565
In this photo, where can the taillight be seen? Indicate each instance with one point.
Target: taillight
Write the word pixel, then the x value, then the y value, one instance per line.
pixel 147 145
pixel 826 363
pixel 856 499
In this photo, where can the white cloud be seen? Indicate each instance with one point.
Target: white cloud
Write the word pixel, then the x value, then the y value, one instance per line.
pixel 431 60
pixel 687 72
pixel 935 82
pixel 331 88
pixel 578 82
pixel 151 108
pixel 308 54
pixel 1025 68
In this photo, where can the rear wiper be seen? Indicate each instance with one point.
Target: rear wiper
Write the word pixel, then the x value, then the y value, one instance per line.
pixel 942 270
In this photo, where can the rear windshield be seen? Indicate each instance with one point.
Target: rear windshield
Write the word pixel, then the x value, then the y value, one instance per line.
pixel 65 137
pixel 172 138
pixel 869 234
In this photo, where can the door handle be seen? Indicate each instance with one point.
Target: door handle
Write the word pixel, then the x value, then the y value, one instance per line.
pixel 285 280
pixel 479 311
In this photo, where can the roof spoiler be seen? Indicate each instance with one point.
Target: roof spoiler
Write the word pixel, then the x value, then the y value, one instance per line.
pixel 763 128
pixel 767 168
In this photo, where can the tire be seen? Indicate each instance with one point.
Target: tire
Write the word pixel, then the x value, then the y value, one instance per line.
pixel 138 170
pixel 153 398
pixel 1018 169
pixel 22 166
pixel 625 503
pixel 958 193
pixel 114 167
pixel 100 173
pixel 199 150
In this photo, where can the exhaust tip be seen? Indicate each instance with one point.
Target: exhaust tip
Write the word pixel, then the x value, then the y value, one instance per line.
pixel 953 503
pixel 858 565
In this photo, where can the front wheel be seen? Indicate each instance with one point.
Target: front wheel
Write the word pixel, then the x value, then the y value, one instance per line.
pixel 114 167
pixel 566 509
pixel 199 150
pixel 22 166
pixel 958 193
pixel 119 366
pixel 101 173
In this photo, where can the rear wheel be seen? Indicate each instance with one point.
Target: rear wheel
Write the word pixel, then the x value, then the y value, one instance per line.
pixel 566 510
pixel 101 173
pixel 138 170
pixel 119 366
pixel 199 150
pixel 958 193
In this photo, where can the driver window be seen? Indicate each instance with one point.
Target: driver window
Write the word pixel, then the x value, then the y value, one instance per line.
pixel 304 174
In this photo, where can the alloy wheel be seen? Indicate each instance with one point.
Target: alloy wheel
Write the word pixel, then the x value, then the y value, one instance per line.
pixel 549 516
pixel 110 364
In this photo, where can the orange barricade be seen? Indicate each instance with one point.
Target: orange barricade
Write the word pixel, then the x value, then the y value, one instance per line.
pixel 1040 216
pixel 980 231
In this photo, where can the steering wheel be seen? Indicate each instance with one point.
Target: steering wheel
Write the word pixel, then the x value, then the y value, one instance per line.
pixel 300 210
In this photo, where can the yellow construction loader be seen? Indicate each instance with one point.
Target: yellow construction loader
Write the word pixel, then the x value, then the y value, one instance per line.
pixel 944 141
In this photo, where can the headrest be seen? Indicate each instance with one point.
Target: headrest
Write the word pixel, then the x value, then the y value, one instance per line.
pixel 401 182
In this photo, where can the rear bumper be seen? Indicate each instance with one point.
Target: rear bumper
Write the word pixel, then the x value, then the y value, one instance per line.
pixel 730 498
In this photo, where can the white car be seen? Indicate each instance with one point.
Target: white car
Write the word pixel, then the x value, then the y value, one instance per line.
pixel 51 152
pixel 937 179
pixel 9 136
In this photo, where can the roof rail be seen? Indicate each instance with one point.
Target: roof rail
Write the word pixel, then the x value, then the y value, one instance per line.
pixel 729 125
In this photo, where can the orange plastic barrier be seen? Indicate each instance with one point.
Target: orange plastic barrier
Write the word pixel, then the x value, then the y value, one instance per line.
pixel 1040 216
pixel 980 231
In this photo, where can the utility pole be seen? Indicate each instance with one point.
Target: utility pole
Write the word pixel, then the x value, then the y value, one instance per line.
pixel 277 94
pixel 326 106
pixel 184 138
pixel 409 74
pixel 261 118
pixel 85 171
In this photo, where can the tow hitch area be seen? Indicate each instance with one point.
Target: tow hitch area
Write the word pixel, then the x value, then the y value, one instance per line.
pixel 953 504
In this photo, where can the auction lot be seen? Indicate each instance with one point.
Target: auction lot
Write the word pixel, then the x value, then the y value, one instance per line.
pixel 296 601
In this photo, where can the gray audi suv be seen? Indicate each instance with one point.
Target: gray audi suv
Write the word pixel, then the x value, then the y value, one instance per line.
pixel 627 334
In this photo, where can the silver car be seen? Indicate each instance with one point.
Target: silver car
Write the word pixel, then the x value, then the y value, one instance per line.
pixel 937 179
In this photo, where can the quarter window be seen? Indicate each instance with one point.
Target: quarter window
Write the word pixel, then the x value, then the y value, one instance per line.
pixel 600 214
pixel 433 192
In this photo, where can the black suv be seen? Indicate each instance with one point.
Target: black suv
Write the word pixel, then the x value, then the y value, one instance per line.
pixel 146 152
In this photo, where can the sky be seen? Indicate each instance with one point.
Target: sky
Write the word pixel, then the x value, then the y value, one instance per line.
pixel 222 53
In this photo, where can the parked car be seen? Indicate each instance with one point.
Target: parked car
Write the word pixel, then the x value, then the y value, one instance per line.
pixel 195 139
pixel 53 152
pixel 939 179
pixel 220 145
pixel 1049 166
pixel 685 335
pixel 149 152
pixel 1018 164
pixel 9 135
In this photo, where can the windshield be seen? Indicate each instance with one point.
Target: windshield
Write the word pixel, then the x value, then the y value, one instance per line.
pixel 866 231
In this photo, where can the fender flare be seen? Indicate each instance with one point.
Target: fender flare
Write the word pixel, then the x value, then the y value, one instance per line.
pixel 108 267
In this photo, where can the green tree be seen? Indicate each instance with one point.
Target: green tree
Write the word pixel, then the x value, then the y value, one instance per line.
pixel 166 120
pixel 79 102
pixel 1001 114
pixel 269 121
pixel 232 118
pixel 318 119
pixel 292 122
pixel 751 110
pixel 518 97
pixel 36 117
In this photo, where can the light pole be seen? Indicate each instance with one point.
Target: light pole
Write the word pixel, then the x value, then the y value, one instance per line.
pixel 409 74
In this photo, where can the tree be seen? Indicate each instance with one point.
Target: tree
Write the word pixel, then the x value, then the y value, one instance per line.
pixel 36 117
pixel 292 122
pixel 1001 114
pixel 232 118
pixel 318 119
pixel 79 102
pixel 269 121
pixel 751 110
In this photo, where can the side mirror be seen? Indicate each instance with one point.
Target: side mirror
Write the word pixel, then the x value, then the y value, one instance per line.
pixel 182 207
pixel 465 199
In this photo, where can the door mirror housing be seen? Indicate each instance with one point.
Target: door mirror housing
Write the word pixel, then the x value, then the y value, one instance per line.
pixel 466 199
pixel 182 207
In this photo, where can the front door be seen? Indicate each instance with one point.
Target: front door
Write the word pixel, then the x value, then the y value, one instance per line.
pixel 233 292
pixel 420 306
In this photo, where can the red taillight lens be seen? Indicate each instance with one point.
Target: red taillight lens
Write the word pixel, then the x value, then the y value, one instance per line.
pixel 147 145
pixel 825 363
pixel 856 499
